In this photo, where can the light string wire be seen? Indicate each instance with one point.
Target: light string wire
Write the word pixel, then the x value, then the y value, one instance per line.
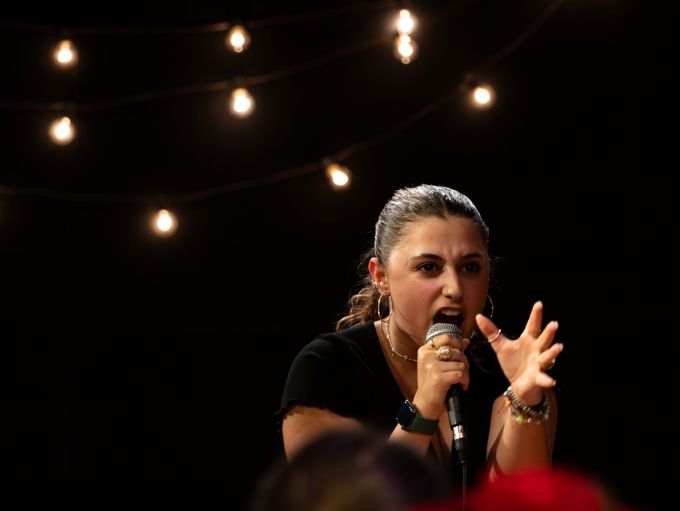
pixel 218 86
pixel 295 172
pixel 222 85
pixel 196 29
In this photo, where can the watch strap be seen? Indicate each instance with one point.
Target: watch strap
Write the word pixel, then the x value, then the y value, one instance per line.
pixel 411 420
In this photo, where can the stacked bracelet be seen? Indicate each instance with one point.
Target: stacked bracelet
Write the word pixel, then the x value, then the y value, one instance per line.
pixel 522 413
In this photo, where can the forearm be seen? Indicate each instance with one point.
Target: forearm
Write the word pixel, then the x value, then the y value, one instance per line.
pixel 417 441
pixel 517 446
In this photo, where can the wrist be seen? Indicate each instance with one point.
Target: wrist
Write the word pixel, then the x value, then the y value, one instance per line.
pixel 426 410
pixel 411 420
pixel 522 412
pixel 533 397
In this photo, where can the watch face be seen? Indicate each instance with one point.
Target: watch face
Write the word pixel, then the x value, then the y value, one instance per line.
pixel 406 413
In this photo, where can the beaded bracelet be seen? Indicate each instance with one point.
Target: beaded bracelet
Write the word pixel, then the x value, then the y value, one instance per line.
pixel 522 413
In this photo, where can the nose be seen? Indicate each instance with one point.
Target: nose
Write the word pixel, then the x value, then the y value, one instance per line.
pixel 451 285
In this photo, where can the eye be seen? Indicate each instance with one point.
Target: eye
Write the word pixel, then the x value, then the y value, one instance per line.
pixel 472 267
pixel 428 268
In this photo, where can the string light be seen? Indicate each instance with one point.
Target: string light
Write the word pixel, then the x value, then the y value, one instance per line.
pixel 338 176
pixel 238 39
pixel 241 103
pixel 405 49
pixel 405 23
pixel 65 54
pixel 164 223
pixel 62 131
pixel 483 96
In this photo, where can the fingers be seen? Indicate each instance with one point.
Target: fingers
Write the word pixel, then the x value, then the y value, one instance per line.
pixel 437 374
pixel 450 340
pixel 548 335
pixel 535 320
pixel 548 358
pixel 490 330
pixel 545 380
pixel 453 372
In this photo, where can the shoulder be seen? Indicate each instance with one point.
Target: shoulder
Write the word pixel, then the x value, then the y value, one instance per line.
pixel 356 339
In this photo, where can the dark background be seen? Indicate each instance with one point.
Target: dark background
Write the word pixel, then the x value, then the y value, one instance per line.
pixel 145 372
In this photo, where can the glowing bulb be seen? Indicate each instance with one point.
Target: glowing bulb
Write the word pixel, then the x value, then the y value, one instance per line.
pixel 405 49
pixel 338 176
pixel 238 39
pixel 241 103
pixel 483 96
pixel 65 54
pixel 405 23
pixel 62 131
pixel 164 223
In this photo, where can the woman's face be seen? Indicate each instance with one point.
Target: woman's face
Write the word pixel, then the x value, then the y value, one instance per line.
pixel 437 273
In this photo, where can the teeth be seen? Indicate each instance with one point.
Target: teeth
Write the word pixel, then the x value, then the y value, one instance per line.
pixel 451 313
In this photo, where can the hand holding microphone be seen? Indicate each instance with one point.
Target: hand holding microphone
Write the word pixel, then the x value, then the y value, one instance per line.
pixel 454 396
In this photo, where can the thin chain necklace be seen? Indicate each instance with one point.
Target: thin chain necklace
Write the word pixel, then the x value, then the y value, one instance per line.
pixel 389 341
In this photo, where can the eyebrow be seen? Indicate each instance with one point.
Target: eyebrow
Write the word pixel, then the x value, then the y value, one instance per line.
pixel 471 255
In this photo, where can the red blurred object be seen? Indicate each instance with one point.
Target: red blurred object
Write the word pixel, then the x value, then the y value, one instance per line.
pixel 536 490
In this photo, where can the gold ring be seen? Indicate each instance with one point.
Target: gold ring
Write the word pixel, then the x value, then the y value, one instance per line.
pixel 492 339
pixel 444 352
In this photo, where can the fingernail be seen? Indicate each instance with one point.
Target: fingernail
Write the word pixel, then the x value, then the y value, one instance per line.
pixel 557 325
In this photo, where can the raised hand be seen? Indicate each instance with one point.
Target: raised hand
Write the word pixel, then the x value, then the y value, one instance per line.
pixel 524 360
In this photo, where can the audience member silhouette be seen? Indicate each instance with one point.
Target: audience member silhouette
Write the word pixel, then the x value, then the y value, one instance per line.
pixel 351 470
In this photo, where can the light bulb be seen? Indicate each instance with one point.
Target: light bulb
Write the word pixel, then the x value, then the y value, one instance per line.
pixel 65 54
pixel 483 96
pixel 164 223
pixel 405 49
pixel 405 22
pixel 241 103
pixel 338 176
pixel 238 39
pixel 62 131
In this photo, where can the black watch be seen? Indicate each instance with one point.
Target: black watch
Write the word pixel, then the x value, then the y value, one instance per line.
pixel 409 420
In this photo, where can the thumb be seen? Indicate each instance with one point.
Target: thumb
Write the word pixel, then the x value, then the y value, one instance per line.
pixel 488 328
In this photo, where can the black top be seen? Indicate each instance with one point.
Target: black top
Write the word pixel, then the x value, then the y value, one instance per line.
pixel 346 372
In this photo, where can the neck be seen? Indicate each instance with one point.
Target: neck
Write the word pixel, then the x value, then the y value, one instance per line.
pixel 402 351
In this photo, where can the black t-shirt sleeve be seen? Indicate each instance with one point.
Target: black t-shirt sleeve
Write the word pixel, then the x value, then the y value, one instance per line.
pixel 313 380
pixel 344 372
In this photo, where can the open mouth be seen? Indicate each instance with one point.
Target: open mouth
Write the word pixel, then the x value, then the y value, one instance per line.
pixel 452 319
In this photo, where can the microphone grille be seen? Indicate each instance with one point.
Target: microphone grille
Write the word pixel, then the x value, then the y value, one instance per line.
pixel 443 328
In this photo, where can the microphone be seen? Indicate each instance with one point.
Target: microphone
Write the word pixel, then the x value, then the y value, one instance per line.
pixel 454 396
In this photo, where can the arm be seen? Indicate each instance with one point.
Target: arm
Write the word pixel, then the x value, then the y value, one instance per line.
pixel 512 446
pixel 304 423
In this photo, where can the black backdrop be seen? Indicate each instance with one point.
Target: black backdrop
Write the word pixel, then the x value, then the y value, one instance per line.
pixel 146 371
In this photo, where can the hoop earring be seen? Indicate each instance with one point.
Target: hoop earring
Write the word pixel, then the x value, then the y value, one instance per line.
pixel 488 297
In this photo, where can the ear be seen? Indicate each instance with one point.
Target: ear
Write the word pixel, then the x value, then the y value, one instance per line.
pixel 378 274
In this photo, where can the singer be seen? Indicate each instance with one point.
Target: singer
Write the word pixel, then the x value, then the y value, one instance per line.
pixel 429 264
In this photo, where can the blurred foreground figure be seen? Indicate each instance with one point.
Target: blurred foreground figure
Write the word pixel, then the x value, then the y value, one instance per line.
pixel 541 489
pixel 351 470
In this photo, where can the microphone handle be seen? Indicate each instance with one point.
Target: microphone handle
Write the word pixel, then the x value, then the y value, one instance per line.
pixel 454 406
